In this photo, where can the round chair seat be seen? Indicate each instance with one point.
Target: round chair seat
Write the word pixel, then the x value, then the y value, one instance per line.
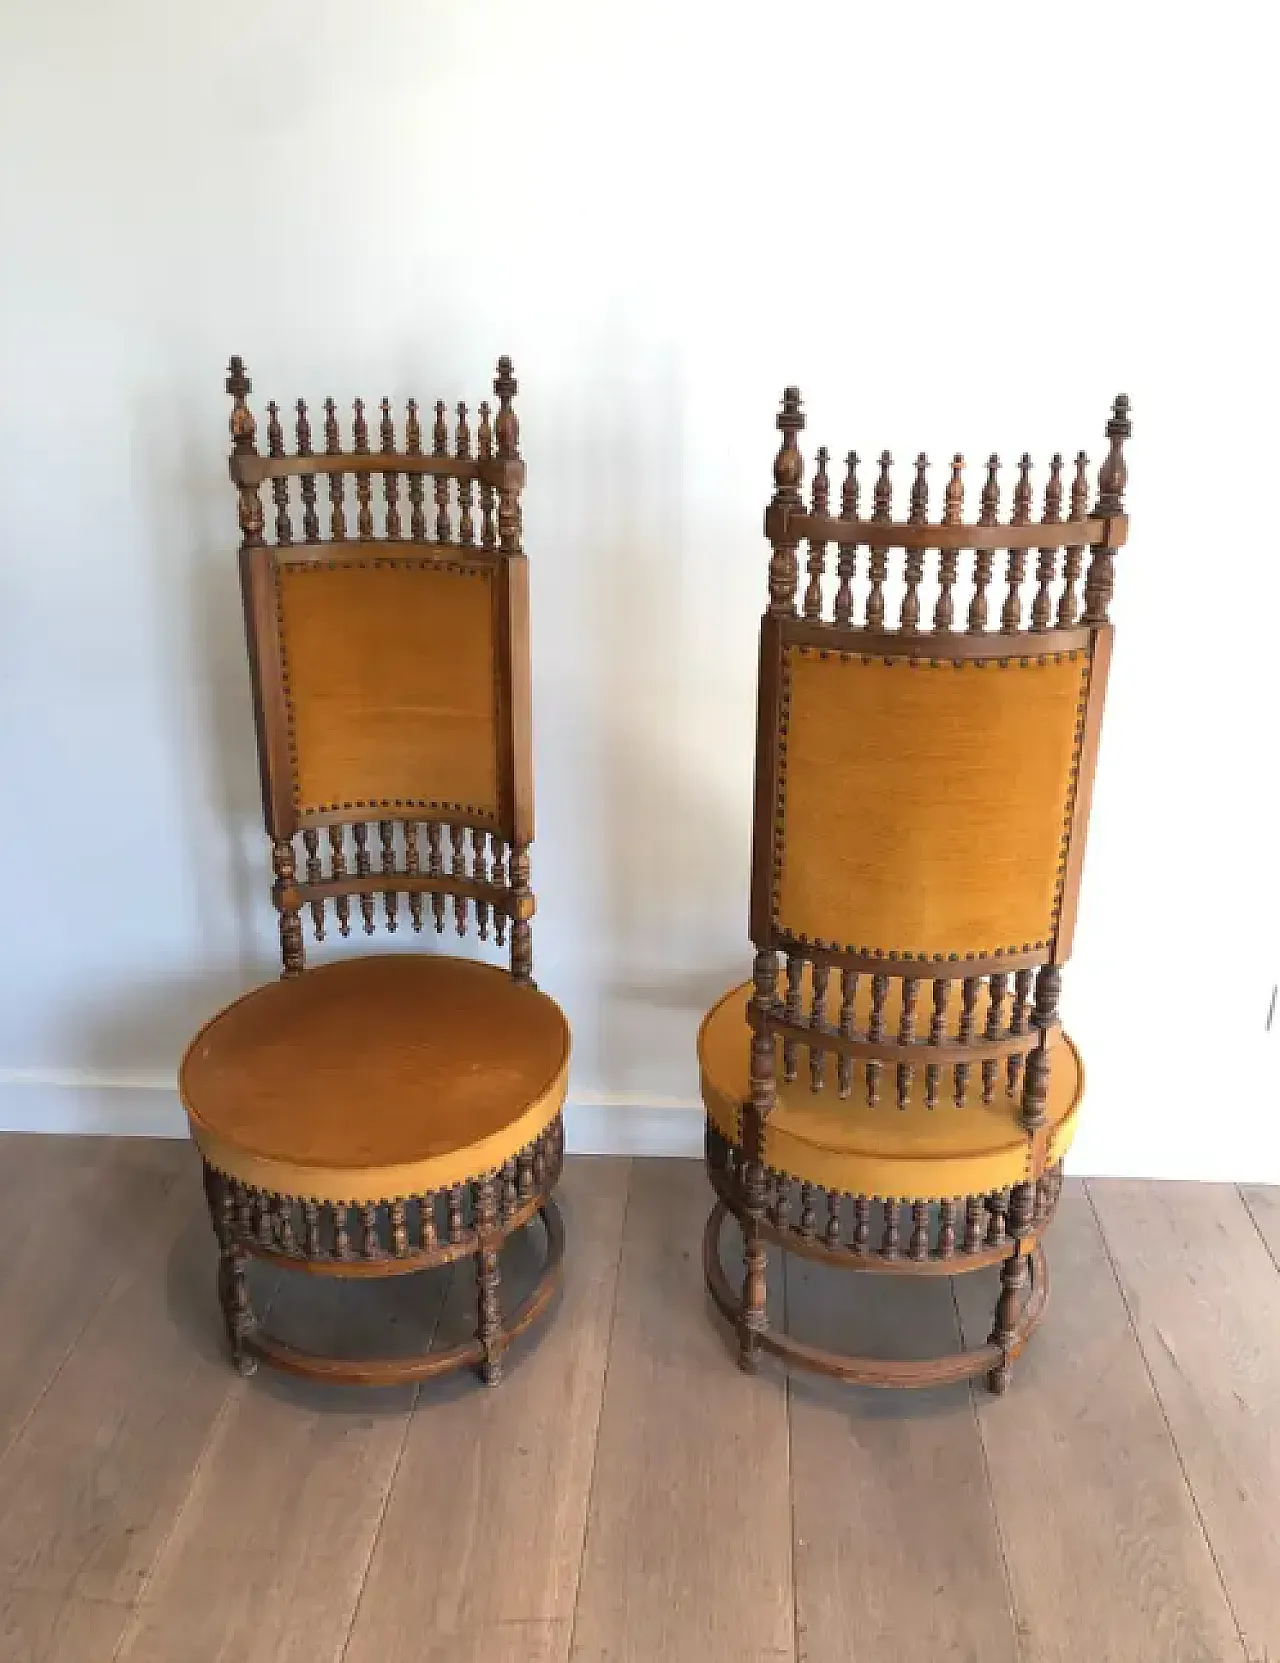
pixel 883 1151
pixel 375 1078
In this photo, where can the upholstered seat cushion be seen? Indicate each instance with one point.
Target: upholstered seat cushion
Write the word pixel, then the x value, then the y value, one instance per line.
pixel 883 1151
pixel 375 1078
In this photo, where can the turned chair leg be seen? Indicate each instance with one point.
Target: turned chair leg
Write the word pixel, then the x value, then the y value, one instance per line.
pixel 488 1310
pixel 237 1308
pixel 754 1320
pixel 1015 1276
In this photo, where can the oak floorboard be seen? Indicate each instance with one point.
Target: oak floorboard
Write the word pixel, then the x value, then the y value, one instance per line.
pixel 1204 1296
pixel 688 1552
pixel 479 1553
pixel 1105 1552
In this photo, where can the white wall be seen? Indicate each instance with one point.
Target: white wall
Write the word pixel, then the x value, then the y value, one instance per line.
pixel 951 225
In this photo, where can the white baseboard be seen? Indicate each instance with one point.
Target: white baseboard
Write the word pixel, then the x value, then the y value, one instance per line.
pixel 65 1100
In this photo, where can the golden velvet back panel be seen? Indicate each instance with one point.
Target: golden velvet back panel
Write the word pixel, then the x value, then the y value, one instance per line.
pixel 388 633
pixel 930 705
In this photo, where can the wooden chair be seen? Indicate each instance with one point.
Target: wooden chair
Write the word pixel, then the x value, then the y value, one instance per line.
pixel 921 798
pixel 384 1114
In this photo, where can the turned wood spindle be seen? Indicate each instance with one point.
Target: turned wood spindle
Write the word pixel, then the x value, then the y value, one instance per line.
pixel 341 1240
pixel 462 449
pixel 480 866
pixel 428 1237
pixel 489 1313
pixel 338 871
pixel 285 867
pixel 412 865
pixel 878 563
pixel 906 1036
pixel 782 1202
pixel 498 880
pixel 458 870
pixel 764 1000
pixel 817 565
pixel 286 1240
pixel 244 443
pixel 370 1242
pixel 875 1033
pixel 264 1223
pixel 506 429
pixel 311 1229
pixel 817 1022
pixel 398 1228
pixel 891 1239
pixel 435 869
pixel 364 489
pixel 279 487
pixel 1019 1019
pixel 413 445
pixel 997 1204
pixel 1016 570
pixel 1047 563
pixel 808 1213
pixel 909 617
pixel 996 990
pixel 390 900
pixel 454 1204
pixel 333 447
pixel 390 479
pixel 1035 1087
pixel 440 447
pixel 310 518
pixel 972 1224
pixel 937 1036
pixel 834 1203
pixel 944 611
pixel 918 1248
pixel 847 556
pixel 848 998
pixel 1073 560
pixel 861 1223
pixel 524 1174
pixel 788 474
pixel 484 450
pixel 947 1229
pixel 793 1013
pixel 984 559
pixel 311 843
pixel 243 1213
pixel 364 869
pixel 510 1193
pixel 1113 475
pixel 1014 1277
pixel 969 991
pixel 521 917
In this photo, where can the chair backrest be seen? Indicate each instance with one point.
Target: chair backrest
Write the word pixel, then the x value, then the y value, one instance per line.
pixel 390 667
pixel 922 788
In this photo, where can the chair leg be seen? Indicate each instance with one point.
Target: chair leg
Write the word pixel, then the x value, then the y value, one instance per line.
pixel 488 1310
pixel 237 1308
pixel 1014 1279
pixel 754 1320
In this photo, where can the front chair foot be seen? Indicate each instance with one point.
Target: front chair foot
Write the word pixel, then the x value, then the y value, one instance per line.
pixel 237 1312
pixel 246 1364
pixel 999 1379
pixel 748 1353
pixel 491 1371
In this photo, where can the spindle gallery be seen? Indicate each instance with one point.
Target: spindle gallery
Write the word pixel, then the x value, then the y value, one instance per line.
pixel 385 1114
pixel 922 796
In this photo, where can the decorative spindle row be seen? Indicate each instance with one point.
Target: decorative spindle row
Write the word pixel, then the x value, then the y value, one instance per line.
pixel 863 1227
pixel 818 1002
pixel 1054 601
pixel 391 849
pixel 463 510
pixel 397 1229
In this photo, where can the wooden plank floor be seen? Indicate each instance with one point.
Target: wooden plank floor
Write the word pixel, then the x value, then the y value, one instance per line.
pixel 627 1494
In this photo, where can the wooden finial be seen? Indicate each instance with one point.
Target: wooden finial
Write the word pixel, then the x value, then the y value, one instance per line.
pixel 332 438
pixel 417 519
pixel 1112 478
pixel 878 568
pixel 280 486
pixel 507 426
pixel 440 447
pixel 1016 570
pixel 985 558
pixel 949 563
pixel 387 428
pixel 918 514
pixel 462 446
pixel 821 501
pixel 848 555
pixel 788 473
pixel 364 512
pixel 310 519
pixel 1046 566
pixel 484 449
pixel 275 433
pixel 1074 559
pixel 412 429
pixel 391 490
pixel 333 447
pixel 360 428
pixel 243 426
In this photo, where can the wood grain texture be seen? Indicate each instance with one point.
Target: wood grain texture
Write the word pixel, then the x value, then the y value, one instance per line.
pixel 897 1554
pixel 1204 1298
pixel 268 1556
pixel 479 1554
pixel 688 1554
pixel 1106 1556
pixel 1263 1202
pixel 38 1627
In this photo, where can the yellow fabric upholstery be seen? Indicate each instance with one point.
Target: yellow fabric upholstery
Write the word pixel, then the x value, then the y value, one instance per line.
pixel 883 1152
pixel 924 807
pixel 375 1078
pixel 391 679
